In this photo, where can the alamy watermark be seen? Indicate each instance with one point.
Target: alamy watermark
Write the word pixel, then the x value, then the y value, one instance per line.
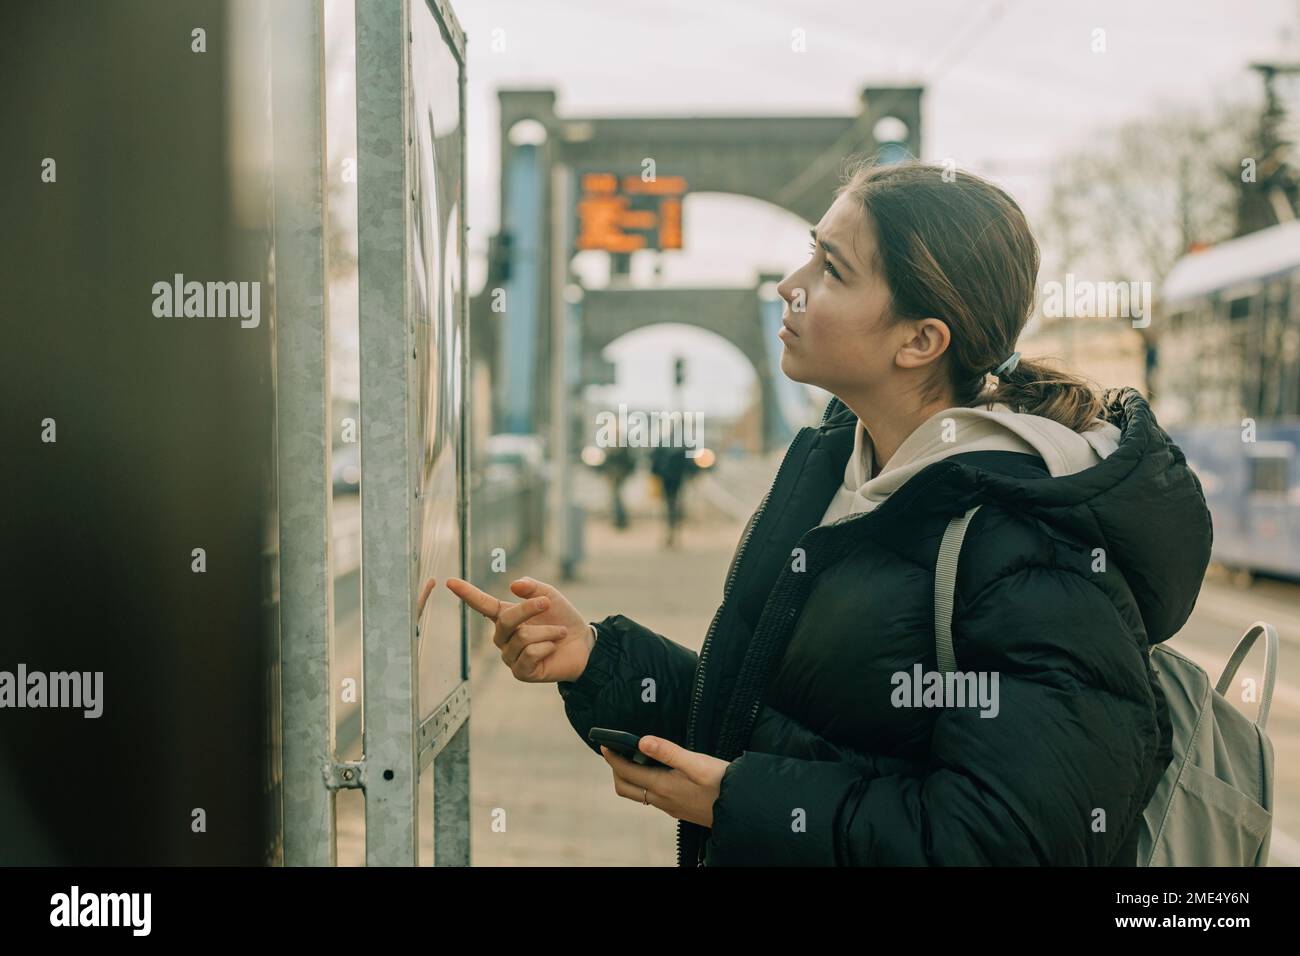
pixel 60 689
pixel 208 300
pixel 650 430
pixel 75 908
pixel 952 689
pixel 1083 298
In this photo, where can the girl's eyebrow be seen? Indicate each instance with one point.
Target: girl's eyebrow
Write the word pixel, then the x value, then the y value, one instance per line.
pixel 831 250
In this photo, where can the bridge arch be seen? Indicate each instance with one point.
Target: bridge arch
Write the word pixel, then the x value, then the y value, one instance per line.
pixel 792 162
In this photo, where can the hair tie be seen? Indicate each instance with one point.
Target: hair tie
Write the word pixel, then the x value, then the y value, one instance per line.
pixel 1008 366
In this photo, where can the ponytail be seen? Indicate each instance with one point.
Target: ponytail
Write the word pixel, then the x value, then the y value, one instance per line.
pixel 1037 388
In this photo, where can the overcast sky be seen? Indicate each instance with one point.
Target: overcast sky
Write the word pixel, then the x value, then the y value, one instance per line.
pixel 1010 85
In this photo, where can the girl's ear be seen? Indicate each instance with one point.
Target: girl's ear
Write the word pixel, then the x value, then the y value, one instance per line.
pixel 929 340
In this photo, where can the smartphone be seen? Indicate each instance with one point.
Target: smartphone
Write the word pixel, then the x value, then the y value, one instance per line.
pixel 624 744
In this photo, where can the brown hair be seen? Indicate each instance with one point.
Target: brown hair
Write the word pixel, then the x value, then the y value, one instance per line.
pixel 957 248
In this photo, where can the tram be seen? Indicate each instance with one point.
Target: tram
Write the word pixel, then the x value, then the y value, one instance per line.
pixel 1226 386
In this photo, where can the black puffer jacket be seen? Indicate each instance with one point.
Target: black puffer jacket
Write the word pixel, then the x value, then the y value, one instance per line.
pixel 793 684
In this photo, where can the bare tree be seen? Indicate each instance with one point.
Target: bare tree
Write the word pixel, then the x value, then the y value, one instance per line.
pixel 1128 208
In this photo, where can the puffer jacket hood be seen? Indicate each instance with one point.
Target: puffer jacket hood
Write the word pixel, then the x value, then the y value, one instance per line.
pixel 956 431
pixel 1141 504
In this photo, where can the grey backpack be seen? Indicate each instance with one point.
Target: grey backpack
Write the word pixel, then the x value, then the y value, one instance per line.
pixel 1214 804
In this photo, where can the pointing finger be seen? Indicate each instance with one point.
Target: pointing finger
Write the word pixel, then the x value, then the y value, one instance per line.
pixel 478 600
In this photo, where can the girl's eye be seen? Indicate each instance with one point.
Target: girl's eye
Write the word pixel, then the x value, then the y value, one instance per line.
pixel 828 266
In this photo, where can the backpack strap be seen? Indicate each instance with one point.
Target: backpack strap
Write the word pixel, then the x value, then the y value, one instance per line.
pixel 1269 633
pixel 945 586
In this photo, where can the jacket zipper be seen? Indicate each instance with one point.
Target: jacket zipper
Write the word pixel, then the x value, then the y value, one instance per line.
pixel 698 693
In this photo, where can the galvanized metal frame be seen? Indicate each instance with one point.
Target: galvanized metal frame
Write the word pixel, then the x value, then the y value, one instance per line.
pixel 302 422
pixel 397 744
pixel 388 477
pixel 451 28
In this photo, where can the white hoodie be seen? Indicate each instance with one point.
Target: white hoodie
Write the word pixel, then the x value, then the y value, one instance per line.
pixel 973 429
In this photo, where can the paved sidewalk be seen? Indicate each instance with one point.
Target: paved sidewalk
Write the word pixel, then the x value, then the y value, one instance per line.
pixel 526 760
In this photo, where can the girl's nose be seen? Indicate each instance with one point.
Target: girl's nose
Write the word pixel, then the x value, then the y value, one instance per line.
pixel 785 288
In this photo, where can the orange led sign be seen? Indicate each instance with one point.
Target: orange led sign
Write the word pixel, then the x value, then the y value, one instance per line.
pixel 626 213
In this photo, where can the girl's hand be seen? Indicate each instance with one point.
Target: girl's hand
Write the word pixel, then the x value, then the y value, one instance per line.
pixel 685 791
pixel 554 643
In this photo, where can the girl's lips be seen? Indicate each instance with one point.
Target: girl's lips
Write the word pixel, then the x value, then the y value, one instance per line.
pixel 785 327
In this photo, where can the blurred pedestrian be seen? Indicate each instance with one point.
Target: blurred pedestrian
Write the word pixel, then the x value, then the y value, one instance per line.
pixel 671 466
pixel 618 465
